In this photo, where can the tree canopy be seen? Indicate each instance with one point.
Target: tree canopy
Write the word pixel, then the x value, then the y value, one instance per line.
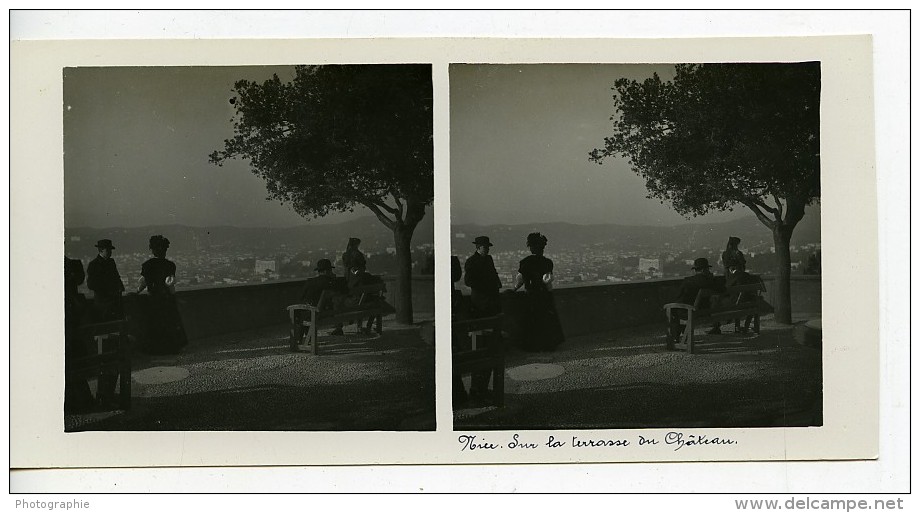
pixel 718 135
pixel 337 136
pixel 340 135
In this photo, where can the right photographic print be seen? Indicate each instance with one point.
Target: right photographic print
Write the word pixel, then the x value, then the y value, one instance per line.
pixel 636 245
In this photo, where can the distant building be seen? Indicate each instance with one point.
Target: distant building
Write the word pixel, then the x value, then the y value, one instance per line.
pixel 262 266
pixel 650 266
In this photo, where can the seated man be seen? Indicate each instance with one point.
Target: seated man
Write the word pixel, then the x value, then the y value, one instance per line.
pixel 689 288
pixel 325 280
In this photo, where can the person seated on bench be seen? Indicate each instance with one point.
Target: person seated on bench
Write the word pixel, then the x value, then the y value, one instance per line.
pixel 689 288
pixel 324 280
pixel 359 277
pixel 77 395
pixel 458 311
pixel 738 276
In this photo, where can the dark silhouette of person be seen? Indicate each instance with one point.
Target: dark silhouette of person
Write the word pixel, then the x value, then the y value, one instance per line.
pixel 738 276
pixel 77 395
pixel 732 256
pixel 542 329
pixel 103 279
pixel 457 312
pixel 164 332
pixel 483 281
pixel 325 280
pixel 353 259
pixel 485 301
pixel 701 279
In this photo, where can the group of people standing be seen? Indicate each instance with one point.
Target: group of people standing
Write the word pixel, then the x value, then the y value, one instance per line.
pixel 156 324
pixel 541 330
pixel 539 322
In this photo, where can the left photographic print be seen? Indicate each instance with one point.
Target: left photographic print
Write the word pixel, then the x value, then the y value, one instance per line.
pixel 248 248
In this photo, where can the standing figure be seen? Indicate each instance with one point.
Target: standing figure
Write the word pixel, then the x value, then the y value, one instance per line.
pixel 164 332
pixel 542 329
pixel 483 281
pixel 485 301
pixel 702 278
pixel 103 279
pixel 732 256
pixel 353 258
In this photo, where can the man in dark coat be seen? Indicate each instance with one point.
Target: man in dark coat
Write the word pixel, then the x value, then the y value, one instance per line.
pixel 483 281
pixel 324 280
pixel 485 301
pixel 103 279
pixel 689 288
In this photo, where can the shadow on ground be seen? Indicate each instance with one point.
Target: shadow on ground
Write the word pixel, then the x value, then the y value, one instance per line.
pixel 627 379
pixel 252 382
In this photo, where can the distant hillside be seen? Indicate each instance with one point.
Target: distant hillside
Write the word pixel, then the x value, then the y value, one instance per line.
pixel 374 237
pixel 754 235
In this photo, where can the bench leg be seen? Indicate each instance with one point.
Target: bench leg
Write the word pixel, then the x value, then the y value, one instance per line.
pixel 498 384
pixel 311 338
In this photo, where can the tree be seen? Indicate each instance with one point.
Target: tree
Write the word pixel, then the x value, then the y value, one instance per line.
pixel 721 135
pixel 336 137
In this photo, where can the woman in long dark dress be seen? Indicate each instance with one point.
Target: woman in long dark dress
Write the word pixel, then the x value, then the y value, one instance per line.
pixel 541 328
pixel 163 330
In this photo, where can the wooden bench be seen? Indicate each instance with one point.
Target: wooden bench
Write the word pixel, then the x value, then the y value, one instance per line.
pixel 370 304
pixel 736 302
pixel 481 357
pixel 108 353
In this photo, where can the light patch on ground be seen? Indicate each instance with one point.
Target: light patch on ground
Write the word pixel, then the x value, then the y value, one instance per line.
pixel 261 363
pixel 535 372
pixel 159 375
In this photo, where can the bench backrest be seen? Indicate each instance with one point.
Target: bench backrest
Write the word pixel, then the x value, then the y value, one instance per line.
pixel 364 292
pixel 734 295
pixel 481 323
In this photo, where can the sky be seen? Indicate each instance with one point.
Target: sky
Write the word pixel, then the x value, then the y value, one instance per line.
pixel 520 138
pixel 136 146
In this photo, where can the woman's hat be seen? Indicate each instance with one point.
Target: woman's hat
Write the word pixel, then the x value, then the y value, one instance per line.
pixel 733 240
pixel 324 265
pixel 105 244
pixel 700 263
pixel 482 240
pixel 354 241
pixel 536 239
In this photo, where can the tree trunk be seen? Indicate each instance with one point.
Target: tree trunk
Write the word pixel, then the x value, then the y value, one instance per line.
pixel 402 236
pixel 782 234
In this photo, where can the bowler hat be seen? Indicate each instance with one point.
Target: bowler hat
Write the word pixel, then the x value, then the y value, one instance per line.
pixel 324 265
pixel 105 244
pixel 700 263
pixel 482 240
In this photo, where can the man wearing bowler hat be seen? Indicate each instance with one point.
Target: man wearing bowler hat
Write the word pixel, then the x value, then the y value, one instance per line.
pixel 702 278
pixel 483 281
pixel 103 279
pixel 325 279
pixel 485 301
